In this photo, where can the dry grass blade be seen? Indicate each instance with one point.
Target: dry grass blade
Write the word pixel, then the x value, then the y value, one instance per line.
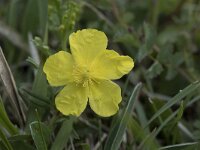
pixel 9 83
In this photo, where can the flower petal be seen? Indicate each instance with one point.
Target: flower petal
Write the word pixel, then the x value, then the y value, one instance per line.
pixel 104 98
pixel 58 68
pixel 72 100
pixel 86 44
pixel 111 65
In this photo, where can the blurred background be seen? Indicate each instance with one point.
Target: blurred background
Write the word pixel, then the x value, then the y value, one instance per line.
pixel 163 38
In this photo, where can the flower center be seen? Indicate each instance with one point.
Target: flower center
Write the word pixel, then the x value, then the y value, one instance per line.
pixel 82 76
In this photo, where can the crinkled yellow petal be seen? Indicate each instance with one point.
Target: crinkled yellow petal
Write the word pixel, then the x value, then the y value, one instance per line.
pixel 72 100
pixel 110 65
pixel 104 97
pixel 58 68
pixel 86 44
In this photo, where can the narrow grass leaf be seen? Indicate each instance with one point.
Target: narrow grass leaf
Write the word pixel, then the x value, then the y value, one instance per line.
pixel 28 23
pixel 194 100
pixel 22 145
pixel 164 123
pixel 186 131
pixel 148 138
pixel 63 135
pixel 5 121
pixel 20 137
pixel 14 7
pixel 140 135
pixel 117 131
pixel 5 141
pixel 37 133
pixel 178 116
pixel 33 98
pixel 183 93
pixel 183 146
pixel 141 114
pixel 40 87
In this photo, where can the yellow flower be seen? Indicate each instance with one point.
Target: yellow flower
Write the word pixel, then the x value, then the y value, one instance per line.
pixel 86 74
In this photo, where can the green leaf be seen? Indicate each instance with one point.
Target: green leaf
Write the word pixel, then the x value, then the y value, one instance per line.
pixel 171 72
pixel 164 123
pixel 170 34
pixel 150 35
pixel 155 69
pixel 179 114
pixel 40 88
pixel 168 121
pixel 183 93
pixel 5 141
pixel 37 100
pixel 37 22
pixel 141 114
pixel 14 8
pixel 126 39
pixel 40 85
pixel 38 132
pixel 21 145
pixel 20 137
pixel 150 38
pixel 117 130
pixel 63 134
pixel 5 121
pixel 165 54
pixel 140 134
pixel 146 140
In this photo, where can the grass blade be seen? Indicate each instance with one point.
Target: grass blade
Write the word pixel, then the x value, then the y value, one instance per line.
pixel 31 97
pixel 172 119
pixel 5 141
pixel 38 135
pixel 28 24
pixel 40 87
pixel 63 135
pixel 148 140
pixel 140 135
pixel 165 123
pixel 116 134
pixel 5 122
pixel 186 91
pixel 180 146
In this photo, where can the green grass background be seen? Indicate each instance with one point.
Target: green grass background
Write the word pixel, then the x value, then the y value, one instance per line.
pixel 160 107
